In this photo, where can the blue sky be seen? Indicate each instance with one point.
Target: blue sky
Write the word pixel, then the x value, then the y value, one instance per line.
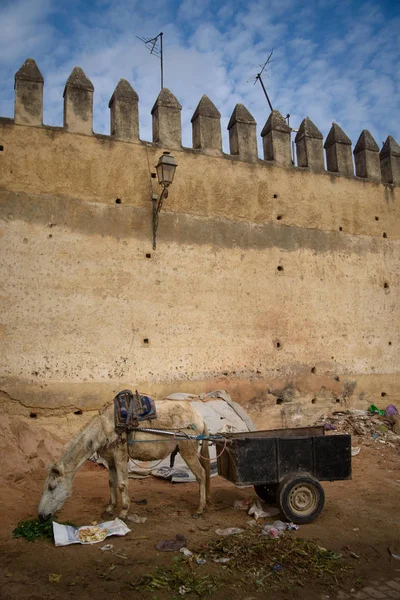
pixel 334 60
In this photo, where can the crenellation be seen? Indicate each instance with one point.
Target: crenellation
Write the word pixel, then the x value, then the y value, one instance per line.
pixel 166 119
pixel 276 140
pixel 78 103
pixel 206 127
pixel 390 161
pixel 242 134
pixel 28 85
pixel 309 149
pixel 366 157
pixel 124 112
pixel 338 152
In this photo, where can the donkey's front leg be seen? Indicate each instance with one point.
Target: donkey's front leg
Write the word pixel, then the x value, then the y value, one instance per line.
pixel 112 480
pixel 121 465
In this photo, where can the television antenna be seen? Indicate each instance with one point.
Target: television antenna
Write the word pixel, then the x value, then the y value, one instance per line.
pixel 155 45
pixel 258 77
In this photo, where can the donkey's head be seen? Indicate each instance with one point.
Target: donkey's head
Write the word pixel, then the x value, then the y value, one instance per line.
pixel 57 488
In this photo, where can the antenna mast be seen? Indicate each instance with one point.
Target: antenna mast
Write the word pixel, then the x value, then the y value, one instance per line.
pixel 259 78
pixel 155 45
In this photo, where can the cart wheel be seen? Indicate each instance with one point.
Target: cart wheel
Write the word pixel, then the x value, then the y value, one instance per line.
pixel 301 498
pixel 267 492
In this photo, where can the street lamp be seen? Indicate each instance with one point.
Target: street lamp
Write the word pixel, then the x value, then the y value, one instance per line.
pixel 165 172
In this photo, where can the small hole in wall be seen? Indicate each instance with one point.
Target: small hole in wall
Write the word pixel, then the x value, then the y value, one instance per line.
pixel 337 378
pixel 275 195
pixel 386 285
pixel 148 255
pixel 278 345
pixel 383 394
pixel 146 341
pixel 337 400
pixel 118 201
pixel 153 175
pixel 376 218
pixel 384 235
pixel 313 401
pixel 390 343
pixel 1 148
pixel 313 370
pixel 279 268
pixel 279 218
pixel 340 228
pixel 279 400
pixel 33 415
pixel 77 412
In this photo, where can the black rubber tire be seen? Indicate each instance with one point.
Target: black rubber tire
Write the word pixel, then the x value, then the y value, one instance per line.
pixel 301 498
pixel 267 492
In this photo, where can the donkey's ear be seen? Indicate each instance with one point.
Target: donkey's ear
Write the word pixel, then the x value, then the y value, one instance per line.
pixel 57 470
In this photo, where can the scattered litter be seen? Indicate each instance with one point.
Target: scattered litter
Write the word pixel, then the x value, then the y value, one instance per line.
pixel 66 534
pixel 354 555
pixel 395 556
pixel 144 501
pixel 259 513
pixel 271 531
pixel 391 410
pixel 172 545
pixel 221 561
pixel 241 504
pixel 276 568
pixel 200 560
pixel 229 531
pixel 251 523
pixel 375 424
pixel 278 528
pixel 185 551
pixel 355 450
pixel 136 519
pixel 107 547
pixel 184 590
pixel 55 577
pixel 375 410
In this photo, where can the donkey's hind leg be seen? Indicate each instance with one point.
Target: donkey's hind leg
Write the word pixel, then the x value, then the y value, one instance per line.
pixel 188 451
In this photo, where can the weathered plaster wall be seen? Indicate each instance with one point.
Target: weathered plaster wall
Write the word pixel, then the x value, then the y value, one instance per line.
pixel 80 293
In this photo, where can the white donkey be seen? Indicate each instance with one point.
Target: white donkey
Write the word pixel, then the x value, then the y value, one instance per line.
pixel 99 435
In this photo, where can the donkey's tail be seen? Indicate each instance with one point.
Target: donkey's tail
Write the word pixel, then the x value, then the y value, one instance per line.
pixel 205 462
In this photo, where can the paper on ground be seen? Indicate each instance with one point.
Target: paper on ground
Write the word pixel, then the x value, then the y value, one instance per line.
pixel 66 534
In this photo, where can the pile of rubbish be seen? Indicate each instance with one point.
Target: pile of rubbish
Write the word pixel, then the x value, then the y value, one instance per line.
pixel 372 425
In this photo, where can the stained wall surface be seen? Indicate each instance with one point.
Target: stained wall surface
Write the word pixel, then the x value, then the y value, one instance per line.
pixel 278 284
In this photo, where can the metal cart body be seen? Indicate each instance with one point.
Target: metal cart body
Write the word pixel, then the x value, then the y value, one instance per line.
pixel 286 465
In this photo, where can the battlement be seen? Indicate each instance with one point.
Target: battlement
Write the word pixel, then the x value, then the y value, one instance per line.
pixel 369 163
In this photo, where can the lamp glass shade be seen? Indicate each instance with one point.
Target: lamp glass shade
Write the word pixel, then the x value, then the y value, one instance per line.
pixel 166 169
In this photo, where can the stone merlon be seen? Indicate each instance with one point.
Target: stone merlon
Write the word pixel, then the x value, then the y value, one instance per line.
pixel 123 91
pixel 275 122
pixel 336 135
pixel 167 99
pixel 206 108
pixel 29 72
pixel 308 129
pixel 78 80
pixel 240 114
pixel 366 142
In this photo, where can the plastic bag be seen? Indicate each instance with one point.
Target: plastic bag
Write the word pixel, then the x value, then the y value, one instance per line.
pixel 376 411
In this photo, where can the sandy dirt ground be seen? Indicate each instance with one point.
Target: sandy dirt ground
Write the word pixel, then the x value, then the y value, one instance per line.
pixel 362 514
